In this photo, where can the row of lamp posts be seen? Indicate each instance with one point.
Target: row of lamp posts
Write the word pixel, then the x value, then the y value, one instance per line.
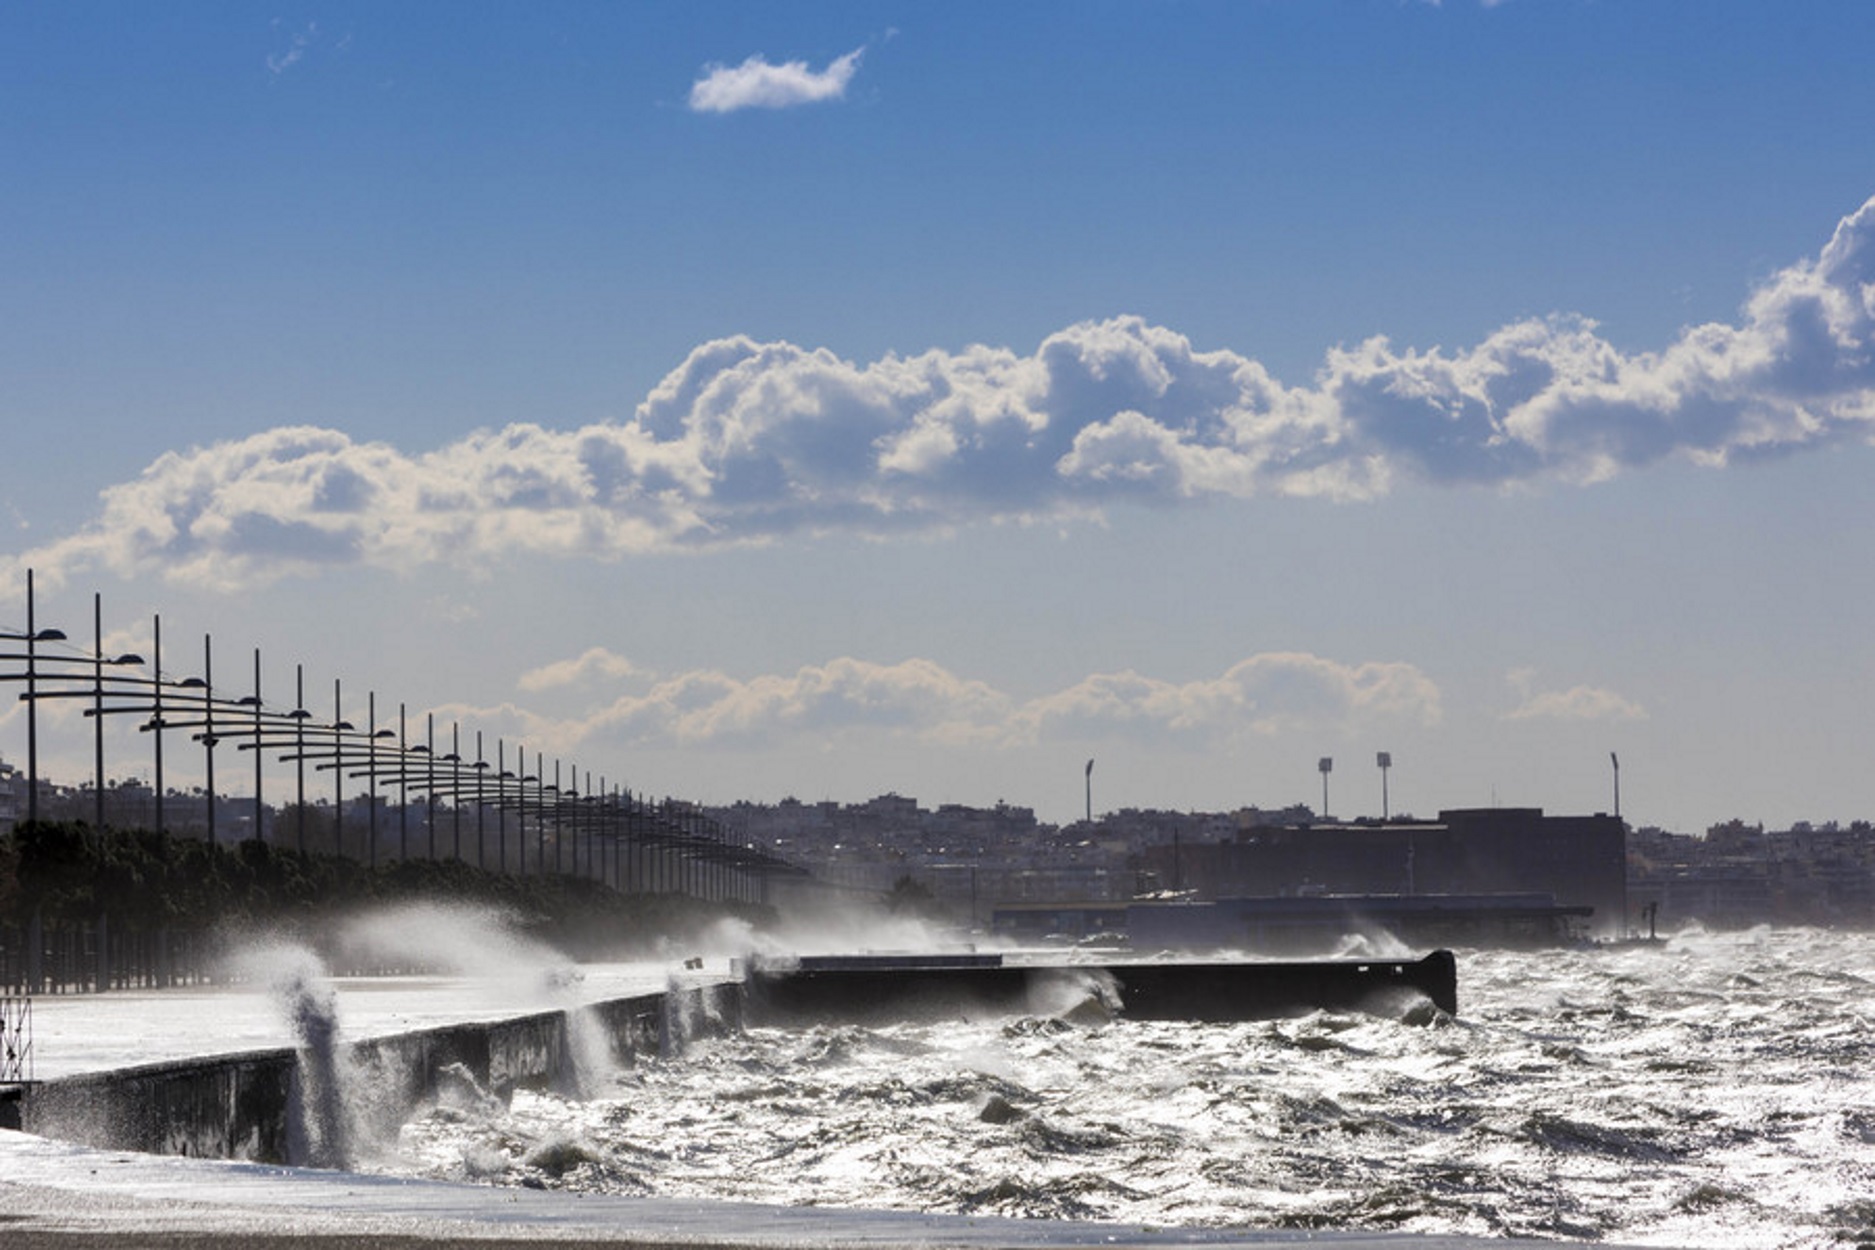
pixel 605 832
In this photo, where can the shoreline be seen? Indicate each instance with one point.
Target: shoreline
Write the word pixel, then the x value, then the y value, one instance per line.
pixel 55 1195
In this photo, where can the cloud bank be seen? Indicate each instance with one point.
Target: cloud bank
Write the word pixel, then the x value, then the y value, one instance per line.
pixel 921 700
pixel 1578 703
pixel 748 442
pixel 757 84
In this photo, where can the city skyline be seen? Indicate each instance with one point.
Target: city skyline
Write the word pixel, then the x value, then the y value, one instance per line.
pixel 843 400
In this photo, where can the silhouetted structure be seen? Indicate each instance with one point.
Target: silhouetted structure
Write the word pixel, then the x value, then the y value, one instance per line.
pixel 1579 861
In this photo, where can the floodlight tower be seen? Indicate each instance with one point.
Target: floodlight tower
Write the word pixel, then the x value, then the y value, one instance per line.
pixel 1385 760
pixel 1325 765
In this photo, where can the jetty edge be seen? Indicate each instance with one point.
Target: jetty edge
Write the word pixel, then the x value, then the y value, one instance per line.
pixel 872 989
pixel 260 1105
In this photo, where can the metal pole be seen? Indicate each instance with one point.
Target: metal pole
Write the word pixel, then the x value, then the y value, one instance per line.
pixel 32 708
pixel 455 794
pixel 208 727
pixel 260 809
pixel 156 713
pixel 371 772
pixel 403 795
pixel 299 749
pixel 97 704
pixel 338 771
pixel 430 782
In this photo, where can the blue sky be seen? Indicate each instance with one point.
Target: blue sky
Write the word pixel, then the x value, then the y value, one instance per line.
pixel 753 400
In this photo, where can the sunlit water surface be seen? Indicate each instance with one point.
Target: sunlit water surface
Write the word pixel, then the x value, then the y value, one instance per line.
pixel 1713 1091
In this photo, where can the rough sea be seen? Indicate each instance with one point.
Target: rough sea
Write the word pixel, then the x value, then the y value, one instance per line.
pixel 1711 1091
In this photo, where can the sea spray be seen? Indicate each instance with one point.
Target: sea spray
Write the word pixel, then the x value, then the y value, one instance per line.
pixel 485 947
pixel 675 1021
pixel 691 1010
pixel 590 1056
pixel 1622 1092
pixel 313 1010
pixel 320 1134
pixel 1083 996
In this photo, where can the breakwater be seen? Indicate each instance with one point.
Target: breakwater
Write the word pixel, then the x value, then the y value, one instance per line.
pixel 321 1103
pixel 280 1105
pixel 876 989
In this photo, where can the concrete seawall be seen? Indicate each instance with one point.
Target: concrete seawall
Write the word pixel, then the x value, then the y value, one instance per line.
pixel 311 1106
pixel 260 1106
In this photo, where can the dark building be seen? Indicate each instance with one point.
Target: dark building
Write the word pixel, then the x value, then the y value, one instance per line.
pixel 1580 861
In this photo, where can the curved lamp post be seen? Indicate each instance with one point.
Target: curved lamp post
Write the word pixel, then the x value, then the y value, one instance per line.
pixel 79 685
pixel 667 844
pixel 32 637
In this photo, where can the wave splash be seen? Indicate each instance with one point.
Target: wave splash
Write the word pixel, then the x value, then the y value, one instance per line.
pixel 1707 1091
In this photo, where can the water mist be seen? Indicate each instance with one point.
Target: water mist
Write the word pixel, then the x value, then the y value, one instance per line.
pixel 321 1133
pixel 483 946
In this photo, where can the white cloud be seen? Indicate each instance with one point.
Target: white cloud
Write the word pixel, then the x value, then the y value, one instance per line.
pixel 279 63
pixel 1265 694
pixel 915 697
pixel 748 443
pixel 1582 703
pixel 923 701
pixel 757 84
pixel 597 664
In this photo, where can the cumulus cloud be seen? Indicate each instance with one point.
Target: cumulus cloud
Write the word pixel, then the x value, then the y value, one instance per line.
pixel 1265 694
pixel 748 442
pixel 1576 703
pixel 915 697
pixel 597 664
pixel 922 700
pixel 757 84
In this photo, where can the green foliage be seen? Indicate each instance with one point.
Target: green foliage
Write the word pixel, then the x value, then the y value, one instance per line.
pixel 56 869
pixel 144 881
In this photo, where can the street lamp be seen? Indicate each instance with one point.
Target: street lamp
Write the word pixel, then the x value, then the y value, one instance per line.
pixel 66 687
pixel 348 747
pixel 284 732
pixel 254 737
pixel 32 637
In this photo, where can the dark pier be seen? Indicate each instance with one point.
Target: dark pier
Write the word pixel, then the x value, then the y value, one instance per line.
pixel 882 988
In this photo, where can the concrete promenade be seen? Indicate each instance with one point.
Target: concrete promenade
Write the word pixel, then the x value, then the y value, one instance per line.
pixel 79 1033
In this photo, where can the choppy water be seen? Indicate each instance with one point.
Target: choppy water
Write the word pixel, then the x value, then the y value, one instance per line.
pixel 1714 1091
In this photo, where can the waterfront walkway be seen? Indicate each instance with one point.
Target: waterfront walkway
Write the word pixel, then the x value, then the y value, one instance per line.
pixel 73 1034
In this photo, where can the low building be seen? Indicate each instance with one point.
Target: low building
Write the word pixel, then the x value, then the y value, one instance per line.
pixel 1577 861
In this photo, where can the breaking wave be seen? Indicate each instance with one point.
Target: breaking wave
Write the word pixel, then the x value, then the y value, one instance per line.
pixel 1711 1091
